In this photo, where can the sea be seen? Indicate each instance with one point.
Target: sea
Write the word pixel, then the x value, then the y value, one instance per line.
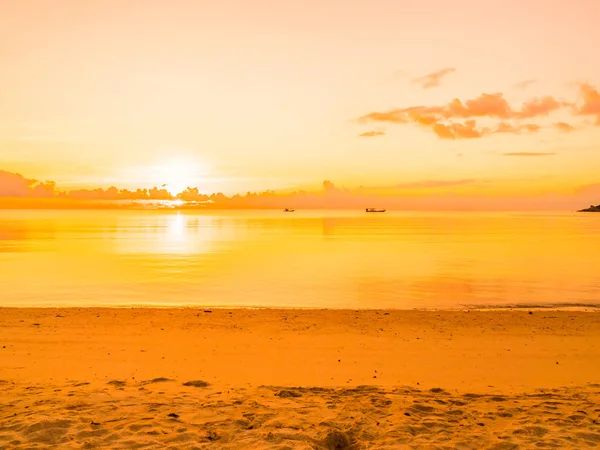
pixel 301 259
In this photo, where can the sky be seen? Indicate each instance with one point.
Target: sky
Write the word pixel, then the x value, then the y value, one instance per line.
pixel 466 97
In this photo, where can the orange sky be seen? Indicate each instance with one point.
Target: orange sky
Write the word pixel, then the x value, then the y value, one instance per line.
pixel 248 95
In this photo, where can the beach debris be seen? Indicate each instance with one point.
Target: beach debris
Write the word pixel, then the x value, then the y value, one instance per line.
pixel 173 415
pixel 156 380
pixel 286 393
pixel 212 436
pixel 196 383
pixel 207 310
pixel 337 440
pixel 36 324
pixel 95 423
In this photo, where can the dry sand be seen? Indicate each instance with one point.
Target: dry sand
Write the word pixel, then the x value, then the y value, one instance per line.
pixel 115 378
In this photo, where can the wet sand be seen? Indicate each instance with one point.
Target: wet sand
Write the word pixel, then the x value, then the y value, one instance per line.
pixel 97 378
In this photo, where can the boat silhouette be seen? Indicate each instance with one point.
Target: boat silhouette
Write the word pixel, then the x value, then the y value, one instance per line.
pixel 374 210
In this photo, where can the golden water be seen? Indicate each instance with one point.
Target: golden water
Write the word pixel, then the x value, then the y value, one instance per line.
pixel 329 259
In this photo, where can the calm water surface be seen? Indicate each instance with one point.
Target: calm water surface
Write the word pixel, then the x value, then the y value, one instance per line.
pixel 304 259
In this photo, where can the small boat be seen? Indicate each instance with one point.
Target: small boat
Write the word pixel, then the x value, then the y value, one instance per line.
pixel 374 210
pixel 288 210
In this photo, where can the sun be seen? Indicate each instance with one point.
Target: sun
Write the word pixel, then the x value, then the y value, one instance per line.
pixel 173 174
pixel 176 175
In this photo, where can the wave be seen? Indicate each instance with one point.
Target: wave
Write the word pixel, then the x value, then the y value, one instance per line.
pixel 534 305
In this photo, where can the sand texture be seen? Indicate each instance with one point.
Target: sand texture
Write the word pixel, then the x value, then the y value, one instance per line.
pixel 286 379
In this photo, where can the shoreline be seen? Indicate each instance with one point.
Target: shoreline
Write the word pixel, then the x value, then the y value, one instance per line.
pixel 591 308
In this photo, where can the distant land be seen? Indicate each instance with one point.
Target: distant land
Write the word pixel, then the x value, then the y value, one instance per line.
pixel 592 208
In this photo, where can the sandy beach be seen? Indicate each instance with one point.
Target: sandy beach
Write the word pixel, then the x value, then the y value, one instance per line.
pixel 330 379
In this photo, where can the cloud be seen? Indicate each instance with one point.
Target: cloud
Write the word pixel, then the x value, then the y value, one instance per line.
pixel 433 79
pixel 564 127
pixel 505 127
pixel 455 120
pixel 15 185
pixel 432 184
pixel 539 107
pixel 396 116
pixel 423 119
pixel 458 130
pixel 528 154
pixel 423 196
pixel 591 102
pixel 112 193
pixel 371 134
pixel 531 127
pixel 486 105
pixel 525 84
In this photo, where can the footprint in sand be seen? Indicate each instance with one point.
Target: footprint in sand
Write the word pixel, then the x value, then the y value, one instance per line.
pixel 197 383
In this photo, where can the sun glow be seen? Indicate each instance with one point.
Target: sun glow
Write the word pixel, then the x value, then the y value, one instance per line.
pixel 176 175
